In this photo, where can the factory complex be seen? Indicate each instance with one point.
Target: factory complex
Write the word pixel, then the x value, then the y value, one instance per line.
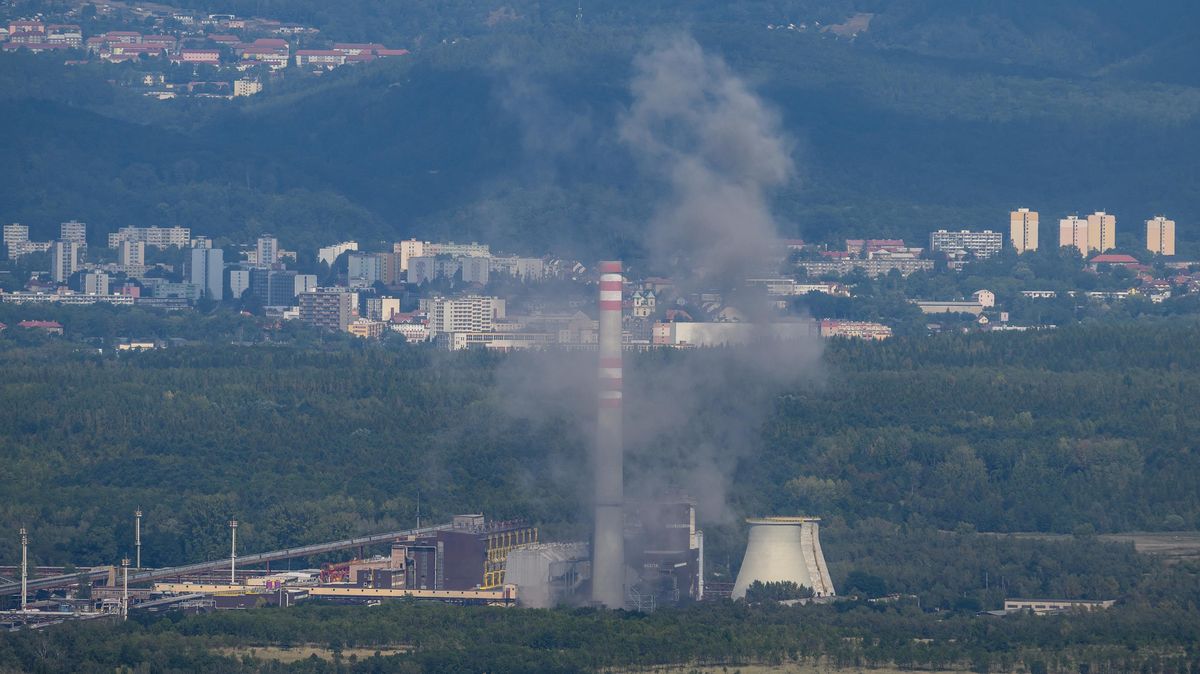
pixel 642 555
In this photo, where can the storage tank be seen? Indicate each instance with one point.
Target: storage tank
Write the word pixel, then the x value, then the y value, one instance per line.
pixel 782 549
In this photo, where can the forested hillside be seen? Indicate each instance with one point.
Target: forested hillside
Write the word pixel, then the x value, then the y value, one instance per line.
pixel 502 124
pixel 1081 430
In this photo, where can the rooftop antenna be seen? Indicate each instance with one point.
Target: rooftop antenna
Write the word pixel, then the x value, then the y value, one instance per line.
pixel 233 552
pixel 24 567
pixel 137 535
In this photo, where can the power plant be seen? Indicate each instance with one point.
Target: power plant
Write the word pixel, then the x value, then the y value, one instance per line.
pixel 784 549
pixel 608 543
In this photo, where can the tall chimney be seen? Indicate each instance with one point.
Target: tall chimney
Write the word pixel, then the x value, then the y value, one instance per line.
pixel 608 543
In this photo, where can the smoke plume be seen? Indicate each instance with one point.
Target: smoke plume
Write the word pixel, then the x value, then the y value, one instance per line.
pixel 691 418
pixel 695 126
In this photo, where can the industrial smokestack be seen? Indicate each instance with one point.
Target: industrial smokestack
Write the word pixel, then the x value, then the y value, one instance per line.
pixel 608 542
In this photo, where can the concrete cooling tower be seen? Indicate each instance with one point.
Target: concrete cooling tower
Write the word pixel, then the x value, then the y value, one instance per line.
pixel 783 549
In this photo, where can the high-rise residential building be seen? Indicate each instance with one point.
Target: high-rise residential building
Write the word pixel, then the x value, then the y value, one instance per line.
pixel 159 237
pixel 1102 231
pixel 239 282
pixel 15 233
pixel 64 260
pixel 206 269
pixel 981 244
pixel 73 230
pixel 132 254
pixel 95 283
pixel 273 287
pixel 1073 233
pixel 463 314
pixel 1160 236
pixel 330 254
pixel 201 242
pixel 266 251
pixel 408 250
pixel 365 267
pixel 1023 229
pixel 330 310
pixel 16 240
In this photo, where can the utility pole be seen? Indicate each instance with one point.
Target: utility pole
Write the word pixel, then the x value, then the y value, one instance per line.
pixel 137 535
pixel 24 567
pixel 418 508
pixel 125 589
pixel 233 552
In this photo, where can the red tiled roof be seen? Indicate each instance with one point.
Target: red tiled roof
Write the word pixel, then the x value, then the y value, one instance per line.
pixel 40 324
pixel 1112 258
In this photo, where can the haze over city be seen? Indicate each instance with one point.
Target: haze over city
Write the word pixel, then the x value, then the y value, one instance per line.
pixel 821 335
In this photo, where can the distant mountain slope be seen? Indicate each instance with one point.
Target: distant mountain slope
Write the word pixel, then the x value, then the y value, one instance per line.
pixel 510 136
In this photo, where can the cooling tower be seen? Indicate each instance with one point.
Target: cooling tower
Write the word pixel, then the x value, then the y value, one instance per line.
pixel 608 542
pixel 782 549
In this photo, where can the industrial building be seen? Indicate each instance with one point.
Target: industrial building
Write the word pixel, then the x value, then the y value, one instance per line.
pixel 665 551
pixel 783 549
pixel 706 334
pixel 470 554
pixel 549 574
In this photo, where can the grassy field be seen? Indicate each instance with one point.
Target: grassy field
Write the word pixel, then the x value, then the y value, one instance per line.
pixel 795 668
pixel 298 653
pixel 1173 546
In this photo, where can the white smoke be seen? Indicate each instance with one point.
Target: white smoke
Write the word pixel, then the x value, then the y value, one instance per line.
pixel 695 125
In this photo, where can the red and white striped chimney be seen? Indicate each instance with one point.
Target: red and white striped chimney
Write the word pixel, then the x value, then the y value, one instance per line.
pixel 608 544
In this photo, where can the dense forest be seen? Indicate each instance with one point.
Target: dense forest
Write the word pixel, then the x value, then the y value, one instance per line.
pixel 504 127
pixel 852 635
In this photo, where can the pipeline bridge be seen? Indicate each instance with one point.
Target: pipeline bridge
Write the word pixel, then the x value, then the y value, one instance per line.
pixel 147 575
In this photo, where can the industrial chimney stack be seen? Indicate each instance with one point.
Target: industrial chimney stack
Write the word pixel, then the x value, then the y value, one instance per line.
pixel 608 543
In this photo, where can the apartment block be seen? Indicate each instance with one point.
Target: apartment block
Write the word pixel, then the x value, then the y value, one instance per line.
pixel 206 269
pixel 330 254
pixel 1102 231
pixel 95 283
pixel 1023 229
pixel 980 244
pixel 73 230
pixel 1160 236
pixel 266 251
pixel 158 237
pixel 1073 233
pixel 327 309
pixel 64 260
pixel 131 254
pixel 463 314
